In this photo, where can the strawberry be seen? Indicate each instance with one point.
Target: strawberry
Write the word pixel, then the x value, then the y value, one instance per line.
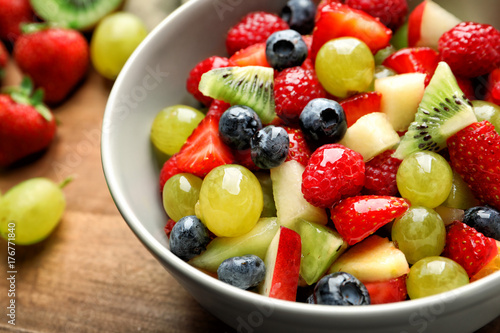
pixel 217 107
pixel 195 74
pixel 254 55
pixel 413 60
pixel 338 20
pixel 244 157
pixel 294 87
pixel 392 13
pixel 380 174
pixel 298 149
pixel 169 169
pixel 56 59
pixel 358 105
pixel 332 173
pixel 475 155
pixel 465 84
pixel 468 247
pixel 390 291
pixel 4 58
pixel 204 150
pixel 253 28
pixel 358 217
pixel 26 125
pixel 12 14
pixel 493 87
pixel 471 49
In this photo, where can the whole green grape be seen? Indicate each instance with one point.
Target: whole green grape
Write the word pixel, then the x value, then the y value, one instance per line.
pixel 231 200
pixel 345 66
pixel 425 178
pixel 460 196
pixel 180 194
pixel 434 275
pixel 419 233
pixel 31 210
pixel 114 39
pixel 487 111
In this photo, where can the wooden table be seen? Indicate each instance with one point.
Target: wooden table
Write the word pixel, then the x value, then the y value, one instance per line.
pixel 92 274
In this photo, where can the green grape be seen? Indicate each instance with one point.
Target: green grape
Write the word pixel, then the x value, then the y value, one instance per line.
pixel 231 200
pixel 419 233
pixel 115 38
pixel 345 66
pixel 434 275
pixel 382 54
pixel 269 209
pixel 172 126
pixel 382 71
pixel 31 210
pixel 180 195
pixel 460 196
pixel 425 178
pixel 487 111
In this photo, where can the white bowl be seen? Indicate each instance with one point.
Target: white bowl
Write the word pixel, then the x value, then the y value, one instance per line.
pixel 154 77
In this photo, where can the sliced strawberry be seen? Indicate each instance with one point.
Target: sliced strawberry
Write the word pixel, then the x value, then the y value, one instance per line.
pixel 169 169
pixel 390 291
pixel 204 150
pixel 338 20
pixel 299 149
pixel 358 105
pixel 414 24
pixel 254 55
pixel 217 107
pixel 493 87
pixel 358 217
pixel 468 247
pixel 414 60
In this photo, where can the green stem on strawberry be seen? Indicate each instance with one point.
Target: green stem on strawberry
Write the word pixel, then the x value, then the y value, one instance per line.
pixel 23 94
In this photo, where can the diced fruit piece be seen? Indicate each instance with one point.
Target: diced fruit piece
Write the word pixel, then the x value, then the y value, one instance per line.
pixel 242 272
pixel 285 49
pixel 188 238
pixel 487 111
pixel 361 104
pixel 269 147
pixel 334 172
pixel 251 86
pixel 374 259
pixel 468 247
pixel 401 95
pixel 340 289
pixel 443 111
pixel 338 20
pixel 256 242
pixel 414 60
pixel 194 77
pixel 380 174
pixel 254 55
pixel 180 194
pixel 290 202
pixel 492 267
pixel 427 22
pixel 434 275
pixel 358 217
pixel 389 291
pixel 484 219
pixel 282 266
pixel 321 246
pixel 371 135
pixel 231 200
pixel 475 155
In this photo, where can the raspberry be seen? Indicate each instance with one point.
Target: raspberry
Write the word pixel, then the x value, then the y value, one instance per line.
pixel 334 172
pixel 293 88
pixel 195 76
pixel 380 174
pixel 471 49
pixel 392 13
pixel 254 28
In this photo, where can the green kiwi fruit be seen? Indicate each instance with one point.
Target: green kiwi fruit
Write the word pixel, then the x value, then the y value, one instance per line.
pixel 252 86
pixel 443 111
pixel 75 14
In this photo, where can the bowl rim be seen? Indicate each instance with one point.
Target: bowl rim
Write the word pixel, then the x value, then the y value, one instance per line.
pixel 464 296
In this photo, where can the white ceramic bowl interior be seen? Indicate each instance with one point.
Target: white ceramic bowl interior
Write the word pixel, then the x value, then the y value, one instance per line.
pixel 153 78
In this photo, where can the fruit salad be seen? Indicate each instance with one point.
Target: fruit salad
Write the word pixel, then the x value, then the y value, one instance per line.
pixel 339 154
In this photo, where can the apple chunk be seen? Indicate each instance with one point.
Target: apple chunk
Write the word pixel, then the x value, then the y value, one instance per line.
pixel 373 259
pixel 282 266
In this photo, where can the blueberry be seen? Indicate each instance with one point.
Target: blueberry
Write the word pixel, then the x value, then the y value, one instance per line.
pixel 285 48
pixel 243 272
pixel 300 15
pixel 269 147
pixel 189 237
pixel 323 121
pixel 237 125
pixel 484 219
pixel 340 289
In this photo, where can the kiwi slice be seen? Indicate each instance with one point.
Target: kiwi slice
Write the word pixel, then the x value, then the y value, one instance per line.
pixel 252 86
pixel 443 111
pixel 75 14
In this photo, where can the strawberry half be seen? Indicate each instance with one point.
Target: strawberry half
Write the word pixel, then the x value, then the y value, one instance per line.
pixel 359 105
pixel 414 60
pixel 468 247
pixel 390 291
pixel 204 150
pixel 475 155
pixel 338 20
pixel 358 217
pixel 169 169
pixel 254 55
